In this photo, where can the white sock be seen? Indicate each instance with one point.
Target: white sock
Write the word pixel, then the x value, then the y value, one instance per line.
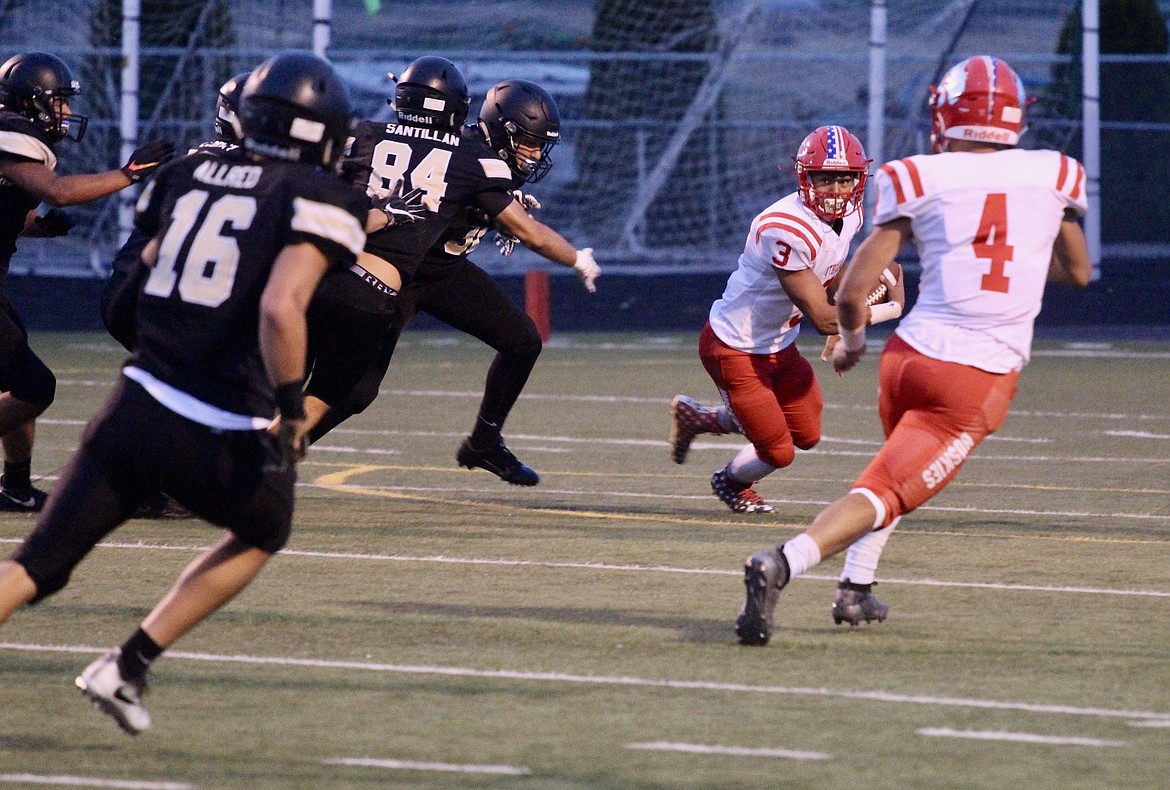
pixel 802 553
pixel 726 416
pixel 723 416
pixel 747 467
pixel 861 561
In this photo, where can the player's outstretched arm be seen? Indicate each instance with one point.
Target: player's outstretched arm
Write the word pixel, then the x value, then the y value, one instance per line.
pixel 44 184
pixel 1071 264
pixel 543 240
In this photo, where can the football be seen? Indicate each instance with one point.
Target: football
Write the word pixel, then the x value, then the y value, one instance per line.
pixel 878 295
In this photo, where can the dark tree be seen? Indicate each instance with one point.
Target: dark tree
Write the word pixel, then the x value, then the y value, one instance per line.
pixel 1130 92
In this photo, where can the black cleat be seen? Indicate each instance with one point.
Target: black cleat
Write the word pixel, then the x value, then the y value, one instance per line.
pixel 25 500
pixel 764 573
pixel 853 603
pixel 498 460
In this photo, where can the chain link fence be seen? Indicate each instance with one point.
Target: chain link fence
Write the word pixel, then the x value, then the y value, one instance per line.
pixel 680 116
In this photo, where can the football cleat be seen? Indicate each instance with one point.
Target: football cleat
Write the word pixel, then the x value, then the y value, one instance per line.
pixel 764 574
pixel 688 419
pixel 26 500
pixel 112 694
pixel 740 497
pixel 498 460
pixel 852 605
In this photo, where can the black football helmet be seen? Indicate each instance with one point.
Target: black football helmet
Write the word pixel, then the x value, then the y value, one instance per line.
pixel 295 107
pixel 520 113
pixel 227 109
pixel 432 92
pixel 38 85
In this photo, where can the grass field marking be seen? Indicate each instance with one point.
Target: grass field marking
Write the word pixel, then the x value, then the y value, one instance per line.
pixel 412 765
pixel 338 481
pixel 1138 434
pixel 737 751
pixel 1019 737
pixel 796 478
pixel 603 566
pixel 569 397
pixel 90 781
pixel 742 689
pixel 1150 723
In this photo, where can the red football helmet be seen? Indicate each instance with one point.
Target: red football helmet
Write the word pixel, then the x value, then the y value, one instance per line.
pixel 831 149
pixel 980 99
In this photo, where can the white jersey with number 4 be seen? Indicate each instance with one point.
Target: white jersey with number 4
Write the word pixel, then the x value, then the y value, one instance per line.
pixel 985 224
pixel 755 314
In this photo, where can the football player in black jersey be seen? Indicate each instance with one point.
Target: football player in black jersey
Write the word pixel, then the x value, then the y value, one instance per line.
pixel 461 176
pixel 126 275
pixel 35 91
pixel 238 244
pixel 119 294
pixel 520 122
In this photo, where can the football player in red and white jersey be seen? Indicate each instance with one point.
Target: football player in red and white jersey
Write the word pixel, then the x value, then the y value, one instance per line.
pixel 794 250
pixel 992 224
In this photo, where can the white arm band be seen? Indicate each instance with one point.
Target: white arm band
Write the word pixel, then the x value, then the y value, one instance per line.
pixel 886 311
pixel 853 340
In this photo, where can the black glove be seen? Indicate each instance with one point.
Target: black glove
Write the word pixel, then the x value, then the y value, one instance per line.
pixel 54 222
pixel 402 209
pixel 147 158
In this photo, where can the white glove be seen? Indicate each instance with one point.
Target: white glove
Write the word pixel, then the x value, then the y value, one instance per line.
pixel 587 269
pixel 529 203
pixel 505 242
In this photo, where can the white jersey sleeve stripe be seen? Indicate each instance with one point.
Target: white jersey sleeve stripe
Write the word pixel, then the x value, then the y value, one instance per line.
pixel 329 222
pixel 495 168
pixel 29 147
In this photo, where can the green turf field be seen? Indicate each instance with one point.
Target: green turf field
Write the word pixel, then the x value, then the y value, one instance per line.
pixel 431 626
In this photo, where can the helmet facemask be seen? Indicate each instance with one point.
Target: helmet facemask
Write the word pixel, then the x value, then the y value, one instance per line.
pixel 48 110
pixel 530 170
pixel 831 205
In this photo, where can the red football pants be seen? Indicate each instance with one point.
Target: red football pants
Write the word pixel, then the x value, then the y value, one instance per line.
pixel 934 414
pixel 775 397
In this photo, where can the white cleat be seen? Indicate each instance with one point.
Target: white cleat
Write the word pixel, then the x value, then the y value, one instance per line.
pixel 103 684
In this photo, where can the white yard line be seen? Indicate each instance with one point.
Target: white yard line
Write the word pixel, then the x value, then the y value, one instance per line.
pixel 568 679
pixel 1019 737
pixel 737 751
pixel 627 568
pixel 414 765
pixel 92 781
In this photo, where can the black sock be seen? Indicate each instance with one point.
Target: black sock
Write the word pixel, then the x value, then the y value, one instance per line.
pixel 17 475
pixel 848 585
pixel 485 434
pixel 137 654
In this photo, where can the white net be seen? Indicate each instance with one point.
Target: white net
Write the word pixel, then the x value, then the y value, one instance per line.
pixel 678 114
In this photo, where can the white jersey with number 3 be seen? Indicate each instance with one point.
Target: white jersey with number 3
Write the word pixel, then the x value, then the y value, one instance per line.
pixel 985 224
pixel 754 314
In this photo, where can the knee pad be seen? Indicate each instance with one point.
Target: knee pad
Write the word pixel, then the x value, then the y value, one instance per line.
pixel 778 457
pixel 31 380
pixel 47 579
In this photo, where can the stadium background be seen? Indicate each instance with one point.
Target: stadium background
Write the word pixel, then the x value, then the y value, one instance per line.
pixel 677 114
